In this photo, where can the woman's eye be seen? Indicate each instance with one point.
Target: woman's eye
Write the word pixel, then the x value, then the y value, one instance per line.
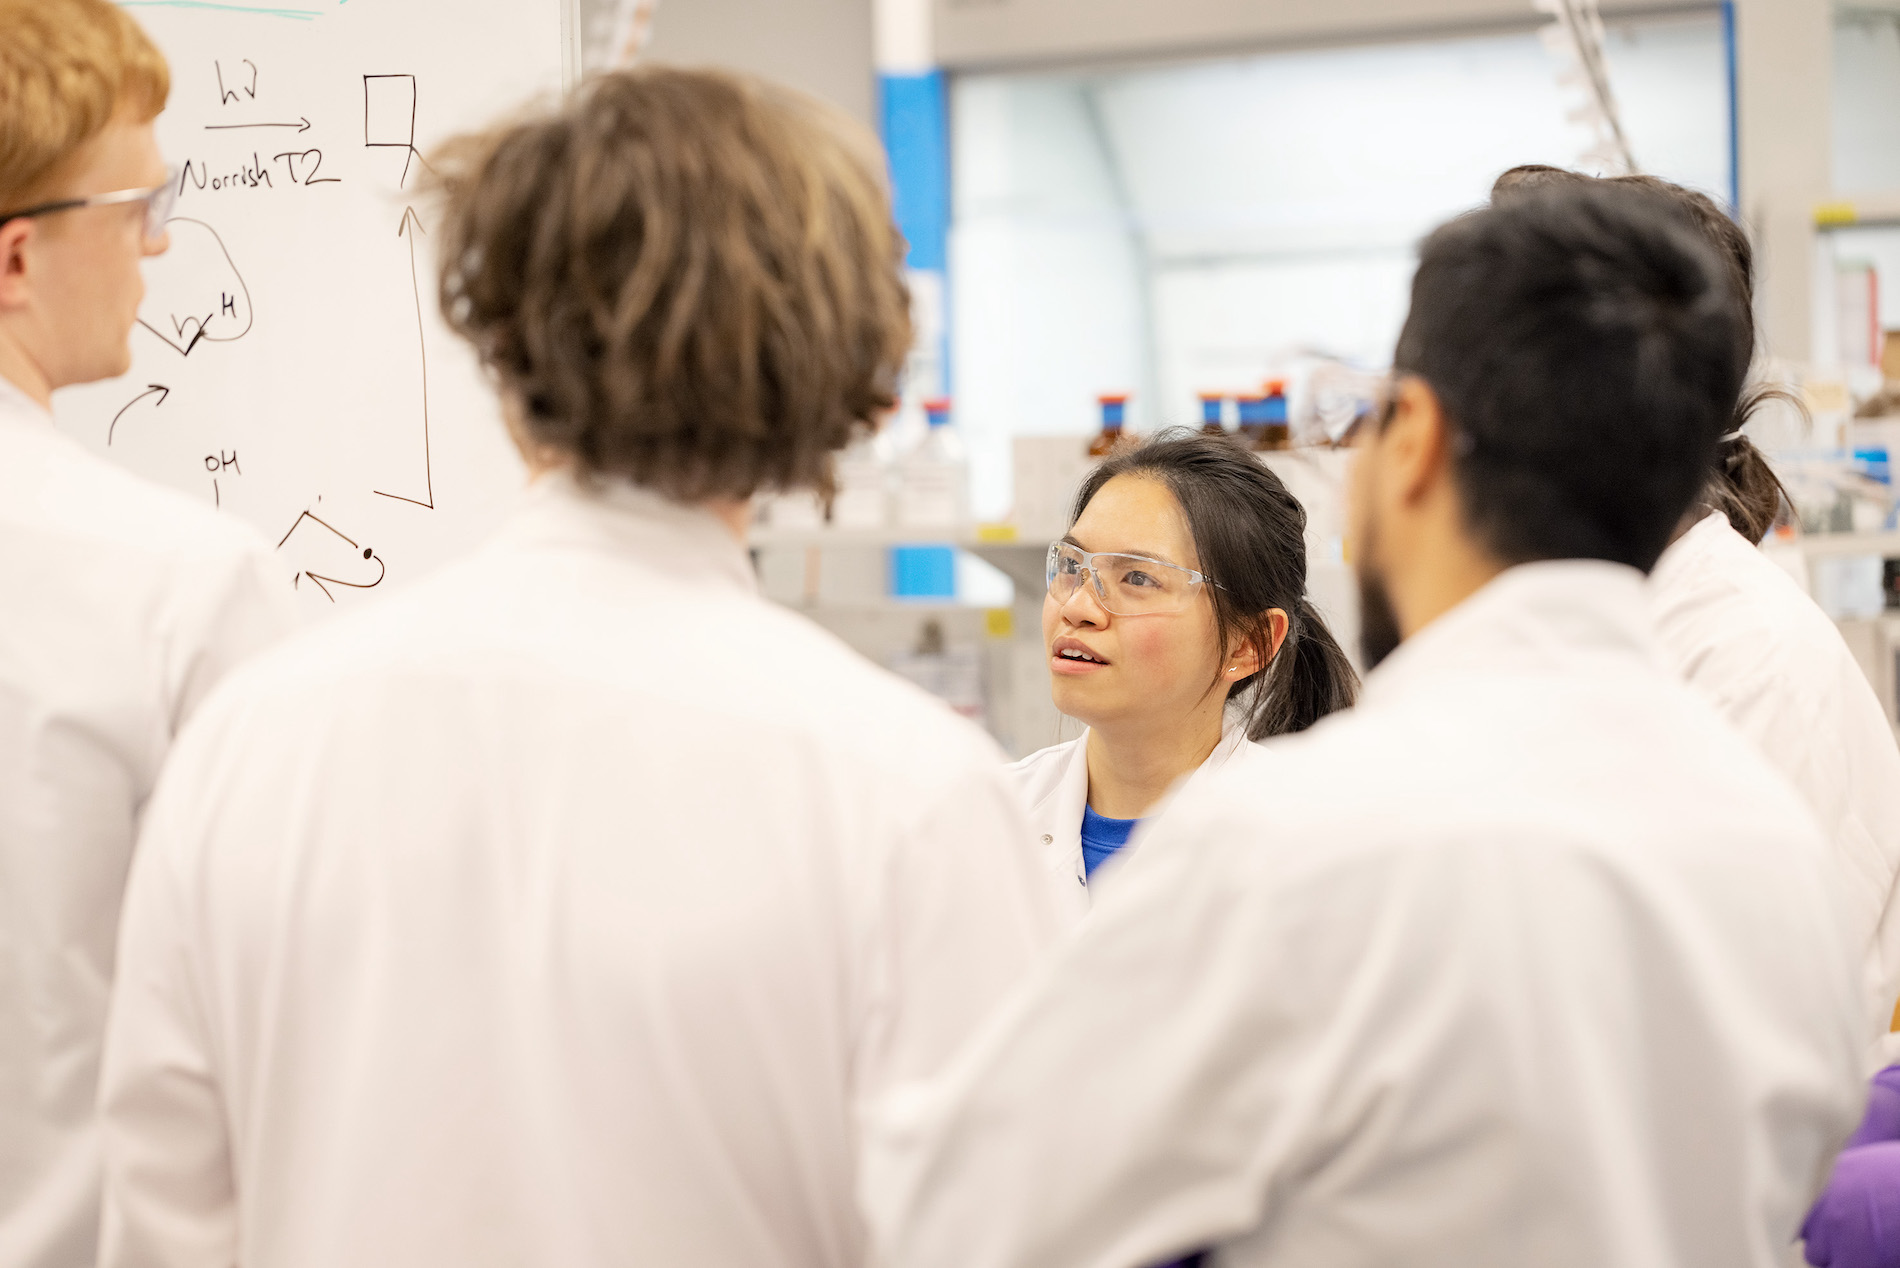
pixel 1068 567
pixel 1140 579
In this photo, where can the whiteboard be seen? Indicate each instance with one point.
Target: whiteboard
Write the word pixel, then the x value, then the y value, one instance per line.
pixel 290 366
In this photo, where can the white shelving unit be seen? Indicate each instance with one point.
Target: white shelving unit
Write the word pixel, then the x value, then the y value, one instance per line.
pixel 1835 545
pixel 1862 209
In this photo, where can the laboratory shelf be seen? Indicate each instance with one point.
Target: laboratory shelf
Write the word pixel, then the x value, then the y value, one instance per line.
pixel 1877 208
pixel 920 607
pixel 1828 545
pixel 987 536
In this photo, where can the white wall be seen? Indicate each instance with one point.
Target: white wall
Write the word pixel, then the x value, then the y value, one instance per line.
pixel 820 46
pixel 1194 226
pixel 972 33
pixel 1866 102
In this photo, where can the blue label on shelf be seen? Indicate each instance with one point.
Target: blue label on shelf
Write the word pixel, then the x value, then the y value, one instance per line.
pixel 923 572
pixel 1873 463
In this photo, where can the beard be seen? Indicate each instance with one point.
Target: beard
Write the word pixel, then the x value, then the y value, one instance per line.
pixel 1379 633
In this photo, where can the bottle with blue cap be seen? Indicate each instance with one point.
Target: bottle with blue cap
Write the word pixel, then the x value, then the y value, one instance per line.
pixel 1114 411
pixel 1253 420
pixel 1211 403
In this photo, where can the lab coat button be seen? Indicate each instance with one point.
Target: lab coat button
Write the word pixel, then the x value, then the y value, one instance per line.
pixel 1046 838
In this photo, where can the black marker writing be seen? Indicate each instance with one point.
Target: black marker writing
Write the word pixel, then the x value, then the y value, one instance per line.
pixel 150 388
pixel 409 227
pixel 248 176
pixel 309 162
pixel 389 117
pixel 228 95
pixel 196 274
pixel 302 125
pixel 322 581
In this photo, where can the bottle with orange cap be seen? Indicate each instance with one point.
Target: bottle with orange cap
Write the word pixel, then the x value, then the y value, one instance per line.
pixel 1276 430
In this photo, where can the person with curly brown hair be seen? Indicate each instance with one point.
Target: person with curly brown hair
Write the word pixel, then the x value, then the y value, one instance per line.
pixel 562 910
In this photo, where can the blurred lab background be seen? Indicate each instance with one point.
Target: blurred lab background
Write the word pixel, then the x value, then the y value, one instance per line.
pixel 1125 215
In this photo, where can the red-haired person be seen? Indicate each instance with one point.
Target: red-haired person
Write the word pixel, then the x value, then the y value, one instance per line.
pixel 125 602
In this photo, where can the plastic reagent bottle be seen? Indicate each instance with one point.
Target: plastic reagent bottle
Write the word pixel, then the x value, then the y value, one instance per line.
pixel 1114 410
pixel 861 475
pixel 933 478
pixel 1211 403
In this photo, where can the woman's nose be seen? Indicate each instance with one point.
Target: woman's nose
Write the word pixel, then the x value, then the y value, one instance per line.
pixel 1090 611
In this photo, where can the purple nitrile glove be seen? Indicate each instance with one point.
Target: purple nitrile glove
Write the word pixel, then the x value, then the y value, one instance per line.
pixel 1856 1224
pixel 1883 1110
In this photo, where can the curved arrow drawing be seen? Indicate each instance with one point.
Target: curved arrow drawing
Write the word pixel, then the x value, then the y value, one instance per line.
pixel 382 569
pixel 150 388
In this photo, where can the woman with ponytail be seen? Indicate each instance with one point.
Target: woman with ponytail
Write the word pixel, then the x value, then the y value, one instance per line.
pixel 1178 629
pixel 1742 633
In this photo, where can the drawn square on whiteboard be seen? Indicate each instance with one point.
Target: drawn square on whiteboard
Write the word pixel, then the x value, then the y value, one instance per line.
pixel 389 110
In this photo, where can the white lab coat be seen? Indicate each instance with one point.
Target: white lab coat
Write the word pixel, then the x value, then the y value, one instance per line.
pixel 1054 786
pixel 1744 635
pixel 1525 960
pixel 121 603
pixel 555 912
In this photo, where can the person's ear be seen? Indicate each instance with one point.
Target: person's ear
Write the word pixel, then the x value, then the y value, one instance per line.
pixel 1416 444
pixel 1250 657
pixel 15 237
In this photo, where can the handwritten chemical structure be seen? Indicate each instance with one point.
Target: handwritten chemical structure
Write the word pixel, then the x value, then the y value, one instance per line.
pixel 389 117
pixel 193 285
pixel 321 581
pixel 218 463
pixel 327 280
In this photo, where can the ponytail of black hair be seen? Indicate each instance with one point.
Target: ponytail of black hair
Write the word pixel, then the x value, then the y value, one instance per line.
pixel 1320 681
pixel 1250 534
pixel 1744 487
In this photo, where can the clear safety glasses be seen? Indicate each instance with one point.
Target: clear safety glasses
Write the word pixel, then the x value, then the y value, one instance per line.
pixel 1126 585
pixel 158 199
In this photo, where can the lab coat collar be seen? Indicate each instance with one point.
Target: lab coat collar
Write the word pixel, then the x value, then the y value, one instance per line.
pixel 1705 537
pixel 1056 814
pixel 610 514
pixel 1556 615
pixel 1071 791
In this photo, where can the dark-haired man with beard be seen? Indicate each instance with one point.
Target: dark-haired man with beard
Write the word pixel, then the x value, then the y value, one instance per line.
pixel 1525 960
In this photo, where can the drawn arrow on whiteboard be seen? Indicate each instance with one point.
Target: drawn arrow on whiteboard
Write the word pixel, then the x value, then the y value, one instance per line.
pixel 412 225
pixel 162 391
pixel 302 125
